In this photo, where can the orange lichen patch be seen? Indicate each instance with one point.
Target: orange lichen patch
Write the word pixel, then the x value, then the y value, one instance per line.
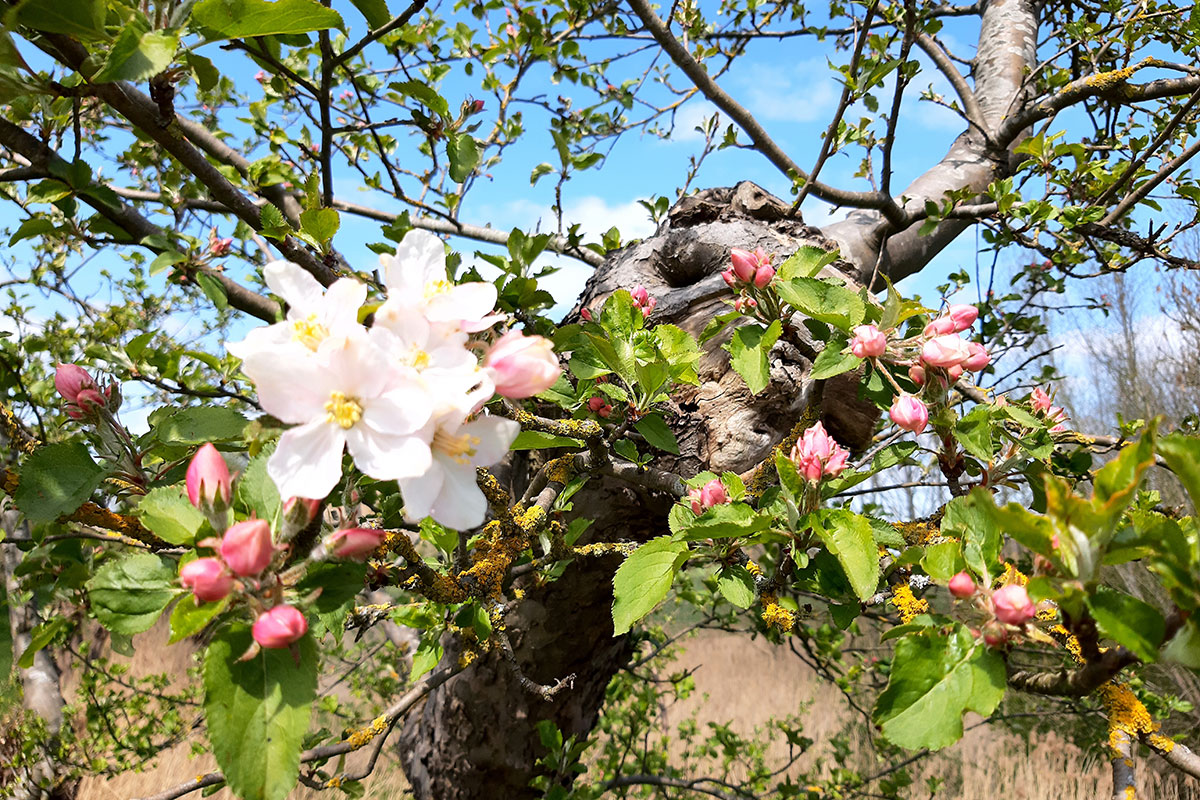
pixel 907 603
pixel 360 737
pixel 775 615
pixel 917 532
pixel 1128 717
pixel 1011 575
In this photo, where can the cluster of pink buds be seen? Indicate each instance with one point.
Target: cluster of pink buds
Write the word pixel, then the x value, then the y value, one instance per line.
pixel 945 349
pixel 817 455
pixel 749 274
pixel 1009 607
pixel 1043 406
pixel 643 300
pixel 710 494
pixel 86 399
pixel 600 407
pixel 219 245
pixel 522 366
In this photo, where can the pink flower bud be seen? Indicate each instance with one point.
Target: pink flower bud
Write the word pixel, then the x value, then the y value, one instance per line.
pixel 247 547
pixel 955 372
pixel 521 366
pixel 940 327
pixel 962 586
pixel 208 482
pixel 260 76
pixel 300 511
pixel 1057 415
pixel 995 634
pixel 89 400
pixel 70 380
pixel 818 455
pixel 1040 400
pixel 963 315
pixel 279 627
pixel 729 278
pixel 909 413
pixel 711 494
pixel 978 359
pixel 868 342
pixel 476 106
pixel 1012 605
pixel 585 314
pixel 356 543
pixel 763 276
pixel 640 295
pixel 916 374
pixel 945 351
pixel 220 246
pixel 600 406
pixel 207 578
pixel 745 305
pixel 745 264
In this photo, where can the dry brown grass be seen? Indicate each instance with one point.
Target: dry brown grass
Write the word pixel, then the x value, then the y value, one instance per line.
pixel 747 682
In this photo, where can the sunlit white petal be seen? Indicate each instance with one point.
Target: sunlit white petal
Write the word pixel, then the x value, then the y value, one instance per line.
pixel 308 460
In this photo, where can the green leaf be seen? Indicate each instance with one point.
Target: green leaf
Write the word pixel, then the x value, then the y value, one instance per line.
pixel 272 222
pixel 657 433
pixel 536 440
pixel 41 636
pixel 423 93
pixel 256 493
pixel 426 656
pixel 167 512
pixel 206 73
pixel 849 538
pixel 339 582
pixel 258 712
pixel 1184 647
pixel 974 432
pixel 138 54
pixel 827 302
pixel 128 594
pixel 748 353
pixel 805 263
pixel 832 361
pixel 463 152
pixel 943 560
pixel 320 223
pixel 166 259
pixel 34 226
pixel 200 425
pixel 736 585
pixel 643 580
pixel 240 19
pixel 56 480
pixel 189 618
pixel 213 290
pixel 934 679
pixel 1128 622
pixel 1182 454
pixel 83 19
pixel 967 519
pixel 375 11
pixel 726 521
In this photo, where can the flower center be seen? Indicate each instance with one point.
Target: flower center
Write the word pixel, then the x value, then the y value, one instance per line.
pixel 460 447
pixel 345 411
pixel 434 288
pixel 416 358
pixel 309 332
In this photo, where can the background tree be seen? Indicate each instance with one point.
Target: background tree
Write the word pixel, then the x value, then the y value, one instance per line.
pixel 126 146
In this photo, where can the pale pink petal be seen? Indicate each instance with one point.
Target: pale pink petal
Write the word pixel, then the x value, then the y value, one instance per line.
pixel 270 339
pixel 341 303
pixel 402 317
pixel 420 258
pixel 291 282
pixel 460 504
pixel 360 366
pixel 469 302
pixel 308 460
pixel 293 385
pixel 401 410
pixel 386 457
pixel 495 435
pixel 421 492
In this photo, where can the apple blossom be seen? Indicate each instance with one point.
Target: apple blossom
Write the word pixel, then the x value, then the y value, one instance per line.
pixel 995 634
pixel 909 413
pixel 207 480
pixel 247 547
pixel 521 366
pixel 1012 604
pixel 940 326
pixel 207 578
pixel 963 315
pixel 916 374
pixel 763 276
pixel 818 455
pixel 868 342
pixel 1057 415
pixel 315 314
pixel 300 511
pixel 70 380
pixel 599 405
pixel 729 277
pixel 945 351
pixel 279 627
pixel 962 586
pixel 355 543
pixel 1040 400
pixel 446 488
pixel 350 395
pixel 710 494
pixel 978 359
pixel 643 300
pixel 746 264
pixel 417 281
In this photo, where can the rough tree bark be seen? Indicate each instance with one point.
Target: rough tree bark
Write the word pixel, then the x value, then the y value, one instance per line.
pixel 476 736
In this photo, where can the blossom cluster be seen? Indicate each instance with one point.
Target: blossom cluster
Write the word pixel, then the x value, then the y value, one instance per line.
pixel 1009 608
pixel 403 396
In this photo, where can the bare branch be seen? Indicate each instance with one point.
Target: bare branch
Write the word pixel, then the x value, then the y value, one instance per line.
pixel 1177 755
pixel 1073 682
pixel 1124 779
pixel 942 61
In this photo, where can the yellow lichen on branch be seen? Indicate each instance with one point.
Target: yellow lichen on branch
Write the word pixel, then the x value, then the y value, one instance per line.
pixel 775 615
pixel 909 606
pixel 1128 717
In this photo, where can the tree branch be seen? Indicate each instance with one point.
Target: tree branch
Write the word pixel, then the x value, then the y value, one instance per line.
pixel 942 61
pixel 1073 682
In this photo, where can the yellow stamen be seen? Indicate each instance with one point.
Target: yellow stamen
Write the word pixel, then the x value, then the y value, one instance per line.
pixel 417 358
pixel 434 288
pixel 460 447
pixel 309 332
pixel 345 411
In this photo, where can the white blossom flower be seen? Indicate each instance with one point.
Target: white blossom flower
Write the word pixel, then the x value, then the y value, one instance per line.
pixel 448 370
pixel 314 313
pixel 447 490
pixel 417 283
pixel 346 395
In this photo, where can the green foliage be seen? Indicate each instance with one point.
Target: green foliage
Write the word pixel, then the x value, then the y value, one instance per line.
pixel 643 579
pixel 56 480
pixel 127 595
pixel 258 712
pixel 168 514
pixel 239 19
pixel 748 351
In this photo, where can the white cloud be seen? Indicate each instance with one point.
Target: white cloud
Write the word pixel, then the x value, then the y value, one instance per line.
pixel 690 116
pixel 803 92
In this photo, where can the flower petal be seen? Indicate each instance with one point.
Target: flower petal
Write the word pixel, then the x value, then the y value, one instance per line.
pixel 292 383
pixel 421 492
pixel 420 258
pixel 291 282
pixel 308 460
pixel 387 457
pixel 495 436
pixel 467 302
pixel 400 411
pixel 460 504
pixel 341 303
